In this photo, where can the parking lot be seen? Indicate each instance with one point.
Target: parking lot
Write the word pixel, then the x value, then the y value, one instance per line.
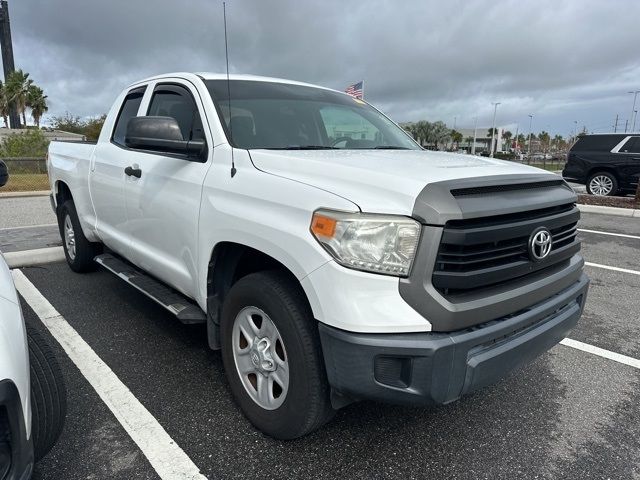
pixel 570 414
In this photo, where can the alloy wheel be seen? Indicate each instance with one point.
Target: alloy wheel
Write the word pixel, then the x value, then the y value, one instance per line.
pixel 601 185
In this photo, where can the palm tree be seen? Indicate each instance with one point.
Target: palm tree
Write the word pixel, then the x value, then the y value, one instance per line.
pixel 440 133
pixel 456 137
pixel 558 141
pixel 18 86
pixel 37 101
pixel 4 105
pixel 544 140
pixel 424 131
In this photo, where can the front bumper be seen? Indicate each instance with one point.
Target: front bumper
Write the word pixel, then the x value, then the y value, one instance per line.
pixel 17 456
pixel 438 368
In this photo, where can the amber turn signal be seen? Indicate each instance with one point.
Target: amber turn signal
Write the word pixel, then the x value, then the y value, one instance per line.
pixel 323 226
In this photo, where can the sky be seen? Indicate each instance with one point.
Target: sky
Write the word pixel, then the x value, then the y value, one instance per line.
pixel 563 61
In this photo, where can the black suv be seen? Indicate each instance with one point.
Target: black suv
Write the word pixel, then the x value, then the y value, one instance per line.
pixel 606 163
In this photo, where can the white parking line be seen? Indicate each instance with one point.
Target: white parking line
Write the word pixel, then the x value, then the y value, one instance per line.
pixel 601 352
pixel 624 235
pixel 30 226
pixel 163 453
pixel 615 269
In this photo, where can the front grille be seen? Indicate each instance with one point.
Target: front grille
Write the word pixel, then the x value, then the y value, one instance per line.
pixel 481 252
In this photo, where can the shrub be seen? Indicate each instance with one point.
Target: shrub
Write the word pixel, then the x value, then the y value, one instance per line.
pixel 31 143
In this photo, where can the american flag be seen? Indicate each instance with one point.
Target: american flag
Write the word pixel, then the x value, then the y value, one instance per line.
pixel 355 90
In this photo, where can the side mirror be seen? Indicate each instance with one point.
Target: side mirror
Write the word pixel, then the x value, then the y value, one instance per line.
pixel 4 174
pixel 161 134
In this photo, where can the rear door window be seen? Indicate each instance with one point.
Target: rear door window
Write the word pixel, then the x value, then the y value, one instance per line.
pixel 129 109
pixel 597 143
pixel 177 102
pixel 631 146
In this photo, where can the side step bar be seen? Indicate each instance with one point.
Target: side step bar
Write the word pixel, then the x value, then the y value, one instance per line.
pixel 185 309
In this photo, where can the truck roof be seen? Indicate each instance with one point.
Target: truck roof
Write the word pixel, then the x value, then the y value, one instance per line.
pixel 223 76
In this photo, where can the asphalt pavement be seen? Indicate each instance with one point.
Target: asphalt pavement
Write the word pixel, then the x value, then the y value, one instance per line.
pixel 570 414
pixel 26 211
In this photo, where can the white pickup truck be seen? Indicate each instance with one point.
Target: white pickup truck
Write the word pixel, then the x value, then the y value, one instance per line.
pixel 331 257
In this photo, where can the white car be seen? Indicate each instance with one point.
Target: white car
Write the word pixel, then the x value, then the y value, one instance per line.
pixel 330 256
pixel 32 391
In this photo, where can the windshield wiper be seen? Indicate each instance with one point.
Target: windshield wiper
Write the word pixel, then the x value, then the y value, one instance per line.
pixel 303 147
pixel 390 147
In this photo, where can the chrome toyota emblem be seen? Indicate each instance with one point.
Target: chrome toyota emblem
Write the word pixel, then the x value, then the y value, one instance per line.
pixel 255 359
pixel 539 244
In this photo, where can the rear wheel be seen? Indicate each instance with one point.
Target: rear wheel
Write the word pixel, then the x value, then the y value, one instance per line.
pixel 602 184
pixel 273 357
pixel 48 394
pixel 78 251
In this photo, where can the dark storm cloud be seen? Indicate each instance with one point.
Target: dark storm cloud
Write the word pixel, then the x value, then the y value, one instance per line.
pixel 561 60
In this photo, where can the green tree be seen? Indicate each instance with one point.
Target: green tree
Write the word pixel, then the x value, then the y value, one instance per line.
pixel 469 140
pixel 18 85
pixel 456 137
pixel 506 136
pixel 68 123
pixel 424 131
pixel 440 133
pixel 93 127
pixel 31 143
pixel 37 102
pixel 491 131
pixel 544 138
pixel 73 124
pixel 4 105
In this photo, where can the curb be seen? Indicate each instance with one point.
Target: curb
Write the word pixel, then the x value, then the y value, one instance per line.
pixel 616 211
pixel 35 193
pixel 39 256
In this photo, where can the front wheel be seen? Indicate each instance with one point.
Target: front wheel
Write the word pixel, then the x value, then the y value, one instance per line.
pixel 48 394
pixel 602 184
pixel 272 356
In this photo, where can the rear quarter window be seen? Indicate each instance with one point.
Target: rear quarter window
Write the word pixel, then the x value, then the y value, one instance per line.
pixel 597 143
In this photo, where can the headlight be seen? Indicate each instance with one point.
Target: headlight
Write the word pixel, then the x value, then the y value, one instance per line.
pixel 373 243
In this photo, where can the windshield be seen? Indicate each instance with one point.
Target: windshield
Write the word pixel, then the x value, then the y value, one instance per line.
pixel 283 116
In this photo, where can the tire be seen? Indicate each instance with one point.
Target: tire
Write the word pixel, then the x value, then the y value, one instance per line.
pixel 602 184
pixel 79 251
pixel 306 404
pixel 48 394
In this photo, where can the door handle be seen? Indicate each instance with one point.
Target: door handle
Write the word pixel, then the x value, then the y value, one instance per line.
pixel 133 172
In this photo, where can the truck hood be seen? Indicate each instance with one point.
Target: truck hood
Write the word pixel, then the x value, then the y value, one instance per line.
pixel 382 181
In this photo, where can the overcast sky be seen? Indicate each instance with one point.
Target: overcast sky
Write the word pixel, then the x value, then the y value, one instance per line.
pixel 561 60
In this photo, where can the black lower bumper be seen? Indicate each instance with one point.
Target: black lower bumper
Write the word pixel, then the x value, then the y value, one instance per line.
pixel 436 368
pixel 16 449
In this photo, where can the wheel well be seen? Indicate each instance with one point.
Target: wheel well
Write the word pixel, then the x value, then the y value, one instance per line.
pixel 601 169
pixel 63 193
pixel 230 262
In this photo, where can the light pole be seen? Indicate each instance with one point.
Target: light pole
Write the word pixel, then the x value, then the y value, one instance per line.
pixel 475 134
pixel 635 115
pixel 530 132
pixel 635 95
pixel 575 130
pixel 493 127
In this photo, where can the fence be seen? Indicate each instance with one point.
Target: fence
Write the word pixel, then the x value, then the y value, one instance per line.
pixel 552 164
pixel 26 174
